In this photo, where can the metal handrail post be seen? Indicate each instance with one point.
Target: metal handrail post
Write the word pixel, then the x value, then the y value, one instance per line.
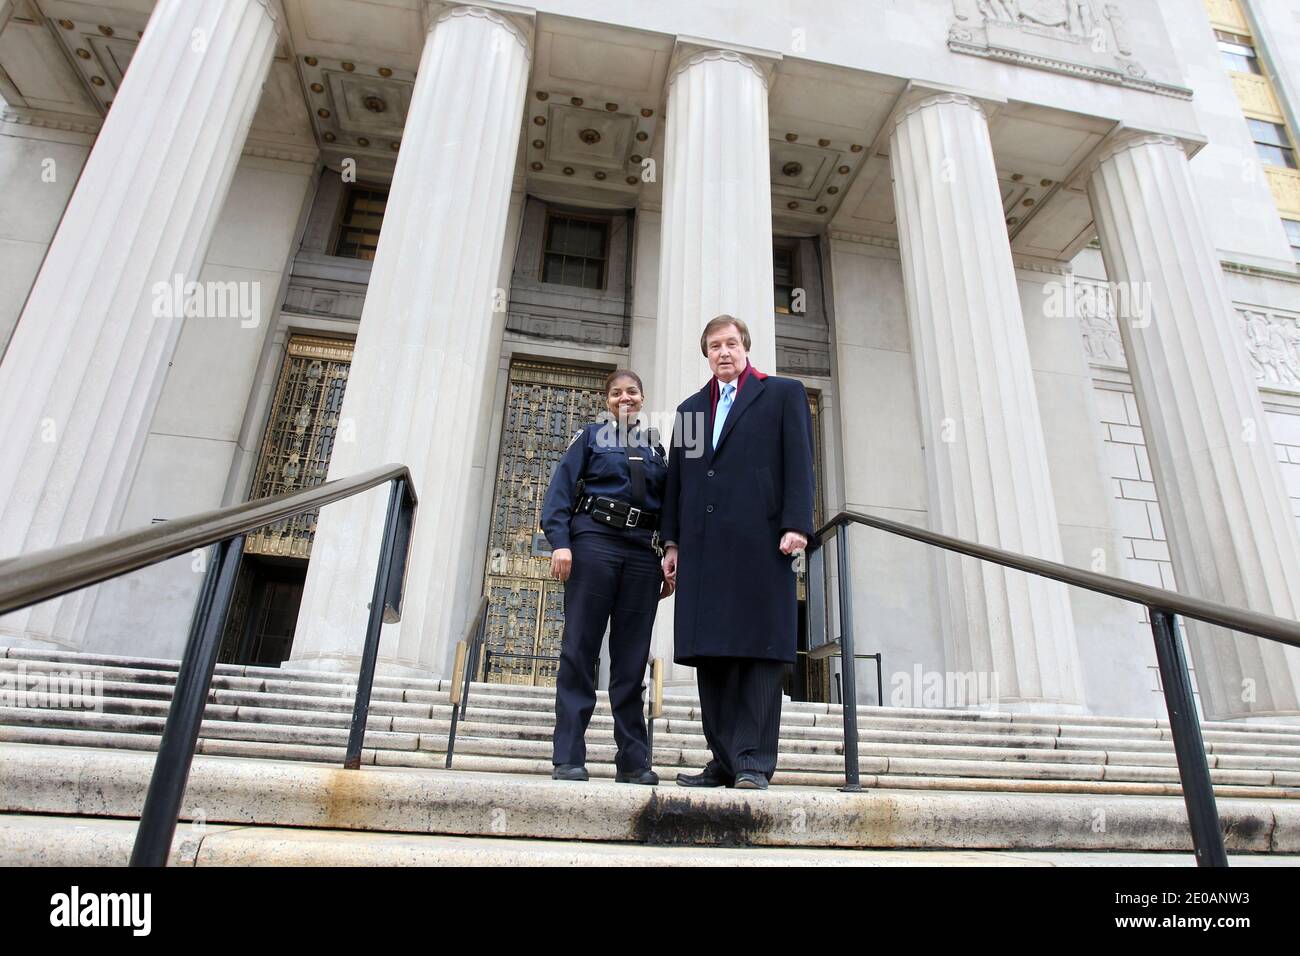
pixel 848 667
pixel 466 673
pixel 162 804
pixel 370 653
pixel 1189 746
pixel 476 649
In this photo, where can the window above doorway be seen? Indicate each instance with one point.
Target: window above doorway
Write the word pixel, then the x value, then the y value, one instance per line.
pixel 363 213
pixel 785 276
pixel 576 251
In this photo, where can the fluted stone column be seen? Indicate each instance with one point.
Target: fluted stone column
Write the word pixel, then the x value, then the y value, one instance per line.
pixel 1231 533
pixel 423 345
pixel 715 246
pixel 985 457
pixel 82 374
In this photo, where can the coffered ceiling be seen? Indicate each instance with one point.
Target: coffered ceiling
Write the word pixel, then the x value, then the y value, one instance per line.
pixel 344 74
pixel 595 105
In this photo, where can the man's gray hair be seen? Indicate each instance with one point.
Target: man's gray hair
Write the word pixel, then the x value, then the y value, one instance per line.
pixel 721 322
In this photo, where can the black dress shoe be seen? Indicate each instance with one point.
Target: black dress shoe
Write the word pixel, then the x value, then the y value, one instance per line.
pixel 567 771
pixel 645 775
pixel 708 778
pixel 749 780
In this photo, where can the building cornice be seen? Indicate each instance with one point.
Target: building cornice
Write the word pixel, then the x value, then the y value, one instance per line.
pixel 1259 272
pixel 66 122
pixel 882 241
pixel 1051 64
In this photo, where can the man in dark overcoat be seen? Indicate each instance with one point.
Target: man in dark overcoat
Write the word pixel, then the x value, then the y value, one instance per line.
pixel 738 505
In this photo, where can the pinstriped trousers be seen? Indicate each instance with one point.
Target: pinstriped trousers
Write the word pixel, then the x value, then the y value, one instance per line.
pixel 740 707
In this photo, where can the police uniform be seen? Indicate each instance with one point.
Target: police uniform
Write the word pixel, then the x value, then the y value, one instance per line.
pixel 603 504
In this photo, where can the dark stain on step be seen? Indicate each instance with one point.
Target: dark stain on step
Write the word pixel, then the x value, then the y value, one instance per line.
pixel 1246 831
pixel 681 821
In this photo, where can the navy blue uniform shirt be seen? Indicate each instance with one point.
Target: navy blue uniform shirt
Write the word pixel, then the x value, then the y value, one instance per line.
pixel 598 455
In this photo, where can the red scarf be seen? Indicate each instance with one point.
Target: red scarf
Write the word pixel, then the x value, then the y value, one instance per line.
pixel 740 382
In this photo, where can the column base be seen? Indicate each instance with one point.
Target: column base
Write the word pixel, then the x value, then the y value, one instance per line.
pixel 348 664
pixel 11 638
pixel 1029 707
pixel 1291 719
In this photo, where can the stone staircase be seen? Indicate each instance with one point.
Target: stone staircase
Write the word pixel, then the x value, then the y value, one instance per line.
pixel 1052 768
pixel 280 713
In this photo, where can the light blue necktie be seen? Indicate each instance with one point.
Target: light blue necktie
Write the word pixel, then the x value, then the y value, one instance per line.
pixel 724 406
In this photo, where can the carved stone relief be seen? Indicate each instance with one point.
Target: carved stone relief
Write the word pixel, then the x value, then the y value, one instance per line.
pixel 1273 345
pixel 1272 338
pixel 1080 37
pixel 1095 309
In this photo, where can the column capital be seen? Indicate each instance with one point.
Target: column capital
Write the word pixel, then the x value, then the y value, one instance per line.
pixel 506 16
pixel 1131 139
pixel 704 56
pixel 919 96
pixel 1124 139
pixel 939 99
pixel 273 10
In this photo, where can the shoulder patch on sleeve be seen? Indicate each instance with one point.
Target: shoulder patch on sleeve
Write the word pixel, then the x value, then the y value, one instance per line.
pixel 576 436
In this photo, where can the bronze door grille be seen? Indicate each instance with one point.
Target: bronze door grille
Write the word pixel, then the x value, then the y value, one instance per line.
pixel 817 673
pixel 300 437
pixel 815 410
pixel 545 405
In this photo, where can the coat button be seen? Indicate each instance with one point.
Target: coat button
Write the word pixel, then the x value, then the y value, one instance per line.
pixel 709 509
pixel 710 472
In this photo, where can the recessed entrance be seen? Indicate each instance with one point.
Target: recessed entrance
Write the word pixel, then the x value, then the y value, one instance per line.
pixel 295 454
pixel 546 402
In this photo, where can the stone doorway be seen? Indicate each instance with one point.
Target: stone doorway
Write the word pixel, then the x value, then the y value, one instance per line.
pixel 546 403
pixel 295 454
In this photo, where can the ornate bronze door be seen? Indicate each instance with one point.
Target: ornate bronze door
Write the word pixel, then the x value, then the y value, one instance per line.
pixel 816 676
pixel 295 454
pixel 545 404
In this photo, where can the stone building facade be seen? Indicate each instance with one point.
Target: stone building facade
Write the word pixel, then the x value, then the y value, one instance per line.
pixel 1034 261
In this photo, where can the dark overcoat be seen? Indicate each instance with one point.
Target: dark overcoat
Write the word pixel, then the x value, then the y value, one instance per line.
pixel 727 508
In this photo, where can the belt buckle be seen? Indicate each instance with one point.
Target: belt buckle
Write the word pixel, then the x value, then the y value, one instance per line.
pixel 633 517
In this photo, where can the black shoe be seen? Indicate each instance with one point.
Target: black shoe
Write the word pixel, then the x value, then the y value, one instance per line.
pixel 750 780
pixel 567 771
pixel 708 778
pixel 645 775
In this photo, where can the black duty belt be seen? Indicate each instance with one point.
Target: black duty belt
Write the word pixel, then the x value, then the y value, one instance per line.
pixel 618 514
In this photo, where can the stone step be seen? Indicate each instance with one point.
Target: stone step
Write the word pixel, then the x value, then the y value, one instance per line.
pixel 280 714
pixel 605 770
pixel 264 706
pixel 819 769
pixel 224 720
pixel 299 682
pixel 78 841
pixel 73 781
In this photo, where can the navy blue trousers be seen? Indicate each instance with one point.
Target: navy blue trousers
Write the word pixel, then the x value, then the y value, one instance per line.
pixel 615 582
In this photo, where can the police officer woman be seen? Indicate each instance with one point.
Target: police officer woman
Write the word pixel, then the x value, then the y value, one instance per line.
pixel 601 517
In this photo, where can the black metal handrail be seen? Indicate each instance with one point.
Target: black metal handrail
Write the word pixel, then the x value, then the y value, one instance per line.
pixel 29 579
pixel 1163 605
pixel 469 661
